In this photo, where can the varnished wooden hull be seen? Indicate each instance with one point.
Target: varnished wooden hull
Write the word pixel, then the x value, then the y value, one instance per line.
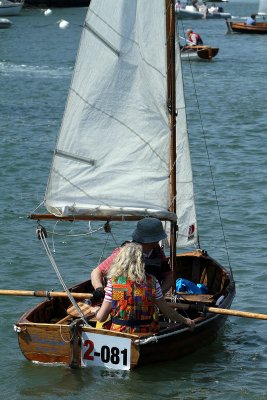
pixel 200 53
pixel 182 343
pixel 47 335
pixel 241 27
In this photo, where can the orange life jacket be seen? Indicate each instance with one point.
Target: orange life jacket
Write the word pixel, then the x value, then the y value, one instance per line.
pixel 133 305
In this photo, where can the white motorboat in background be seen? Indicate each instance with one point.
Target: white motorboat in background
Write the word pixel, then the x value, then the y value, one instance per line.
pixel 8 8
pixel 5 23
pixel 189 11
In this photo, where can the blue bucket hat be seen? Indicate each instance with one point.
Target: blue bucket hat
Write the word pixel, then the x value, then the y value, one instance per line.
pixel 149 230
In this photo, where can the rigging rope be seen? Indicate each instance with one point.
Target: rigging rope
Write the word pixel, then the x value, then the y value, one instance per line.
pixel 42 235
pixel 209 160
pixel 107 229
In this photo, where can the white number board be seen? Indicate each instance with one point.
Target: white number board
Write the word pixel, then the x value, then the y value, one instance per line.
pixel 105 351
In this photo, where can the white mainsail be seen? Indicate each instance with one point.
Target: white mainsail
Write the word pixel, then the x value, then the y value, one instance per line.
pixel 262 7
pixel 112 155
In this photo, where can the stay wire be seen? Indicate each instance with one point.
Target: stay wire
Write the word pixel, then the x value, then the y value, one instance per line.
pixel 53 263
pixel 211 174
pixel 209 163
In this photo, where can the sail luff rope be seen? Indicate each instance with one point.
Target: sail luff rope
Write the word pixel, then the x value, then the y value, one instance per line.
pixel 53 263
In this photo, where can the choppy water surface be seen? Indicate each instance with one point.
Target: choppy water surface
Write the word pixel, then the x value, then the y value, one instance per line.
pixel 36 63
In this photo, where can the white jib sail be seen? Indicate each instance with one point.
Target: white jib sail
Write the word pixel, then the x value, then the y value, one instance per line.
pixel 112 154
pixel 262 7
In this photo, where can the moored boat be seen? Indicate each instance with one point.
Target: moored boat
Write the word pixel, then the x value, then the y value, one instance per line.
pixel 188 11
pixel 140 168
pixel 5 23
pixel 8 8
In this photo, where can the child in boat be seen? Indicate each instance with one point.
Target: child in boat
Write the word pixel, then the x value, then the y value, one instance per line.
pixel 148 233
pixel 132 294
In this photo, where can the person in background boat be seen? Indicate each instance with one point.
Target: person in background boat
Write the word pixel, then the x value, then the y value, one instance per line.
pixel 195 5
pixel 251 20
pixel 178 5
pixel 204 9
pixel 213 9
pixel 193 38
pixel 148 233
pixel 131 295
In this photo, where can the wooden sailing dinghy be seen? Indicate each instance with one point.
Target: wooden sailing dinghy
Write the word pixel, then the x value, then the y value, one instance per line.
pixel 242 27
pixel 258 28
pixel 123 154
pixel 199 53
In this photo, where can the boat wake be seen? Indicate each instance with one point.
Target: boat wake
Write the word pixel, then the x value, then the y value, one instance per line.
pixel 8 68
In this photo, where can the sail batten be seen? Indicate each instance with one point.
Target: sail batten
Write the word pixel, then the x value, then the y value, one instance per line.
pixel 73 157
pixel 90 28
pixel 113 151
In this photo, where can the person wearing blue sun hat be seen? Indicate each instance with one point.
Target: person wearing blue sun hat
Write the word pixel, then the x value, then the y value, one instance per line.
pixel 148 232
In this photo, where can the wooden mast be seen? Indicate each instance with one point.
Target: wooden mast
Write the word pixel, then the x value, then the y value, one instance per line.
pixel 171 86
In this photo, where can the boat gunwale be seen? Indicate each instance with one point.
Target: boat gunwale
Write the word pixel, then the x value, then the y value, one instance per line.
pixel 198 253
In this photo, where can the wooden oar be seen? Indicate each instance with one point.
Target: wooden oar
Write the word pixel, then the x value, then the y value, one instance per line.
pixel 44 293
pixel 199 307
pixel 215 310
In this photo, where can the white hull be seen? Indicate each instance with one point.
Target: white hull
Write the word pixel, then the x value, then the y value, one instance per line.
pixel 5 23
pixel 189 13
pixel 8 9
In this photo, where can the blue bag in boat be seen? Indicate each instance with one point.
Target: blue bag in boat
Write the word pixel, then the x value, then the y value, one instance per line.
pixel 183 285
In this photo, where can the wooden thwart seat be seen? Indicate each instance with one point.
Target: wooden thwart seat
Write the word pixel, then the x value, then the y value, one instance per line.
pixel 196 298
pixel 72 313
pixel 85 308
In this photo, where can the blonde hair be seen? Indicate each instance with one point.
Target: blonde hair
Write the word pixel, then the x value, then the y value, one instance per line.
pixel 129 263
